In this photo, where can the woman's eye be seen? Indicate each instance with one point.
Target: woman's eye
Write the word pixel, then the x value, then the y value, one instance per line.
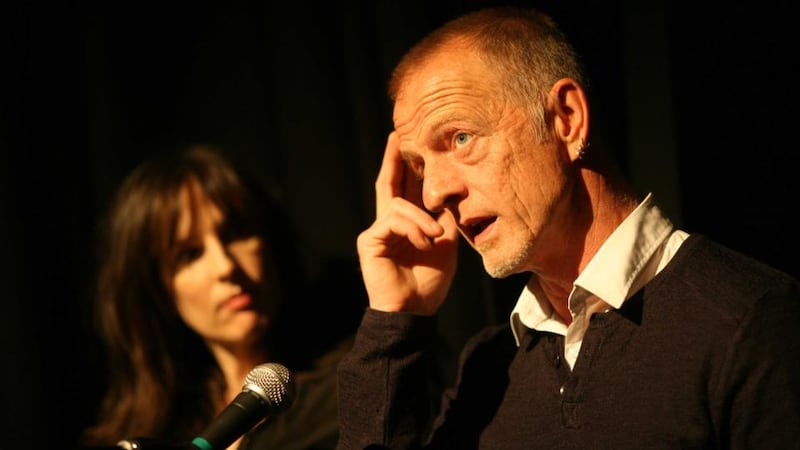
pixel 188 254
pixel 236 230
pixel 462 138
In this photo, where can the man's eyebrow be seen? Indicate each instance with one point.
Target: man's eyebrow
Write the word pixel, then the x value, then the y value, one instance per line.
pixel 442 122
pixel 433 131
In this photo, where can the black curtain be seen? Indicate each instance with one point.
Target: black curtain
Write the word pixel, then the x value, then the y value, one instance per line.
pixel 697 101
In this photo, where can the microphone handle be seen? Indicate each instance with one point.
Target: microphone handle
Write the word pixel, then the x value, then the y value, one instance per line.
pixel 234 421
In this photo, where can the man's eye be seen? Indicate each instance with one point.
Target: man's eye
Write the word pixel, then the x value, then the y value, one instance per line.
pixel 462 138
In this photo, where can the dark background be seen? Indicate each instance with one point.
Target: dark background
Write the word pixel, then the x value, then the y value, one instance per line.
pixel 698 100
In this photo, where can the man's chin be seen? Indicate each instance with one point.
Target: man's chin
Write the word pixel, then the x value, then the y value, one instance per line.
pixel 501 266
pixel 497 270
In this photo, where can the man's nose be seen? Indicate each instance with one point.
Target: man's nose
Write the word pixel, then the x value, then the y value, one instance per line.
pixel 441 187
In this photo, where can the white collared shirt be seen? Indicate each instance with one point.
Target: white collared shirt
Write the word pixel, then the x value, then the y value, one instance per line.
pixel 631 256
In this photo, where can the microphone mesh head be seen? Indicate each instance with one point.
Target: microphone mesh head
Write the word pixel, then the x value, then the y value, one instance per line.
pixel 273 383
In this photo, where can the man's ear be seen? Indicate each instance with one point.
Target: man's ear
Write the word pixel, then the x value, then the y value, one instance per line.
pixel 571 115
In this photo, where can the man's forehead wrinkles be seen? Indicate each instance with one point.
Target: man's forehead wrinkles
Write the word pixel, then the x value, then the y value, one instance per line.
pixel 425 94
pixel 433 112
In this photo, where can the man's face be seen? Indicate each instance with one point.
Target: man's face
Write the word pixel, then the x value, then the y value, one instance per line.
pixel 478 157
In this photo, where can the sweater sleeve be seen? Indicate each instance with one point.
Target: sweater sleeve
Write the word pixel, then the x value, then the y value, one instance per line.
pixel 383 382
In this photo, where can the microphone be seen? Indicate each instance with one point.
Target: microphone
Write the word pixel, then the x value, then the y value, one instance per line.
pixel 268 389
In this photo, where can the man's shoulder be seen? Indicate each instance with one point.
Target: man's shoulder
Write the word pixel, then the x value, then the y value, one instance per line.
pixel 708 270
pixel 708 259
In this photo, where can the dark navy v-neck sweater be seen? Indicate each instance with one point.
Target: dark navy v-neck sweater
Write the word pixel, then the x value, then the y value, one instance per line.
pixel 706 355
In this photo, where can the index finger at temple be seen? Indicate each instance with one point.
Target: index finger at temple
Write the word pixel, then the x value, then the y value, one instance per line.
pixel 390 182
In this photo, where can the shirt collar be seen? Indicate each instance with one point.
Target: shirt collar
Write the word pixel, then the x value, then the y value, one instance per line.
pixel 613 273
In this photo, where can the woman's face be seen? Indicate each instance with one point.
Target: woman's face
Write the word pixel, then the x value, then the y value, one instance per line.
pixel 219 280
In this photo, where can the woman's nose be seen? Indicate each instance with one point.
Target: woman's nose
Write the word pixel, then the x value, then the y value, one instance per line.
pixel 221 259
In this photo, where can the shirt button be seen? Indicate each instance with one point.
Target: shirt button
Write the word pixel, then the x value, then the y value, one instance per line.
pixel 561 390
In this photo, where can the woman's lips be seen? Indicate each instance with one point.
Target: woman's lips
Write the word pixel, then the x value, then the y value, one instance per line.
pixel 238 302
